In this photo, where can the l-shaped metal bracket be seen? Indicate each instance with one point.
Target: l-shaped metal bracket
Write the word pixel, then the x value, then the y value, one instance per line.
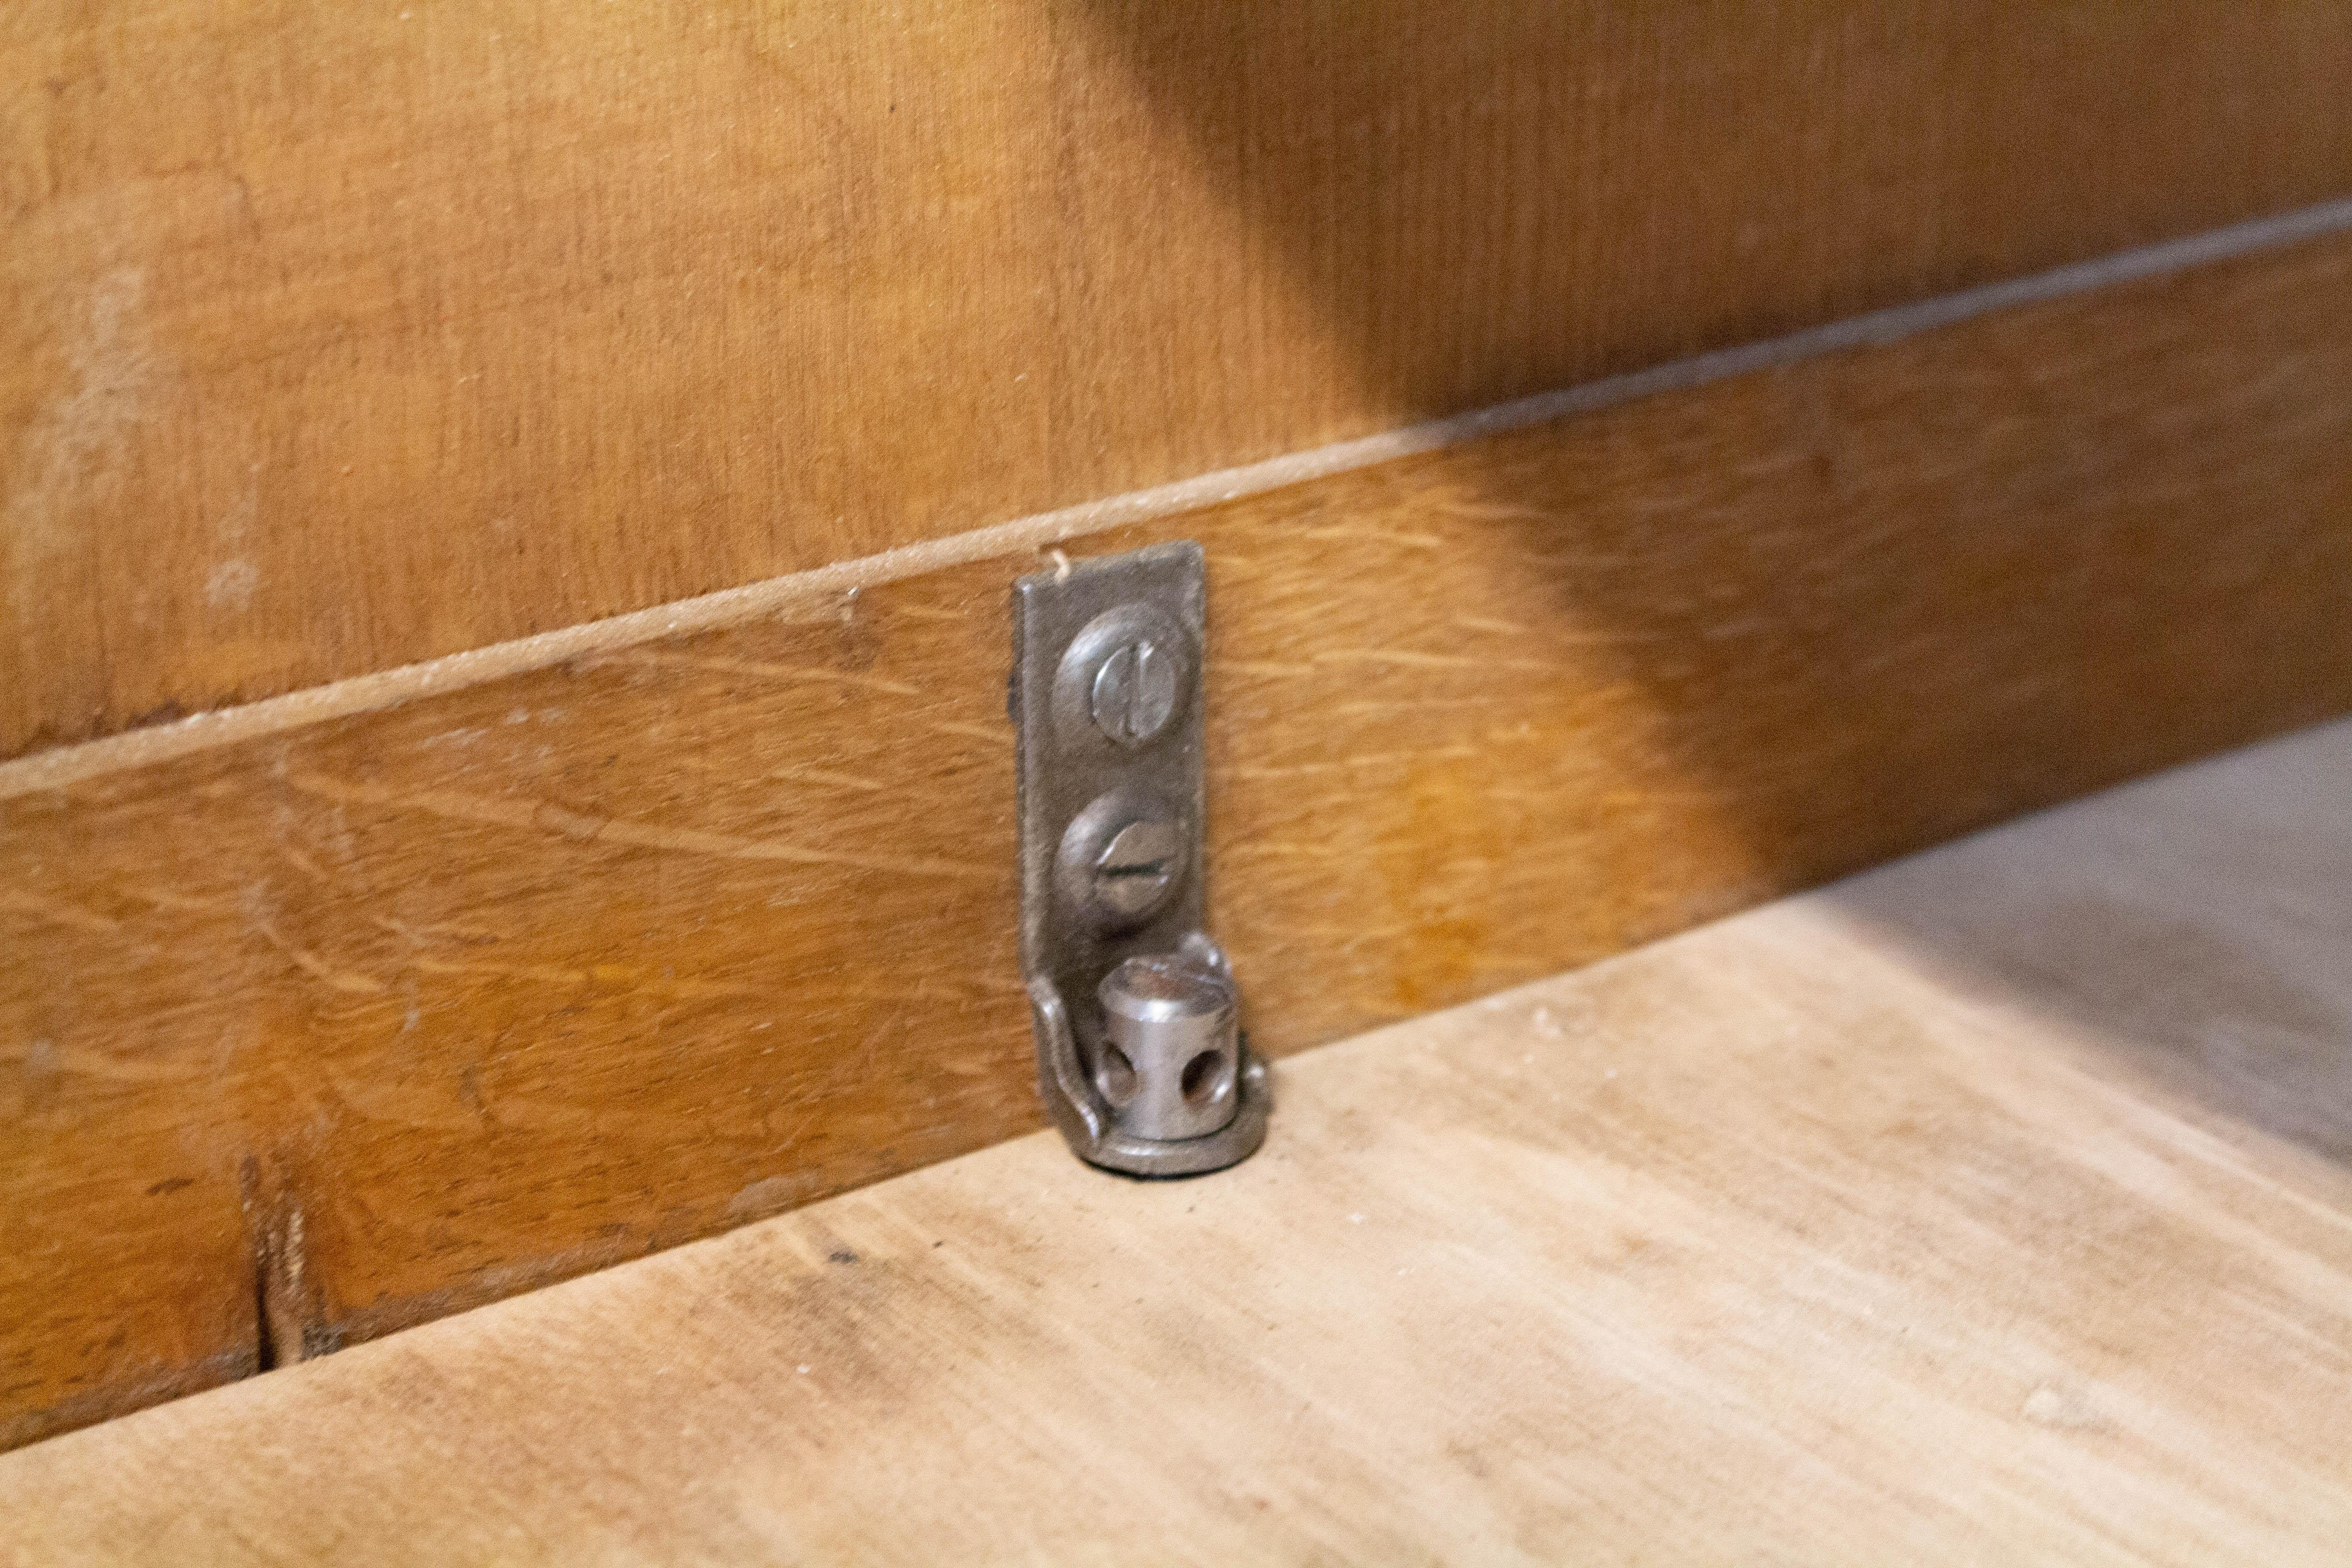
pixel 1140 1057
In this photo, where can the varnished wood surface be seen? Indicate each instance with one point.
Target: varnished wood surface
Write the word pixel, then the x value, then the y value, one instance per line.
pixel 353 1026
pixel 1991 1207
pixel 336 337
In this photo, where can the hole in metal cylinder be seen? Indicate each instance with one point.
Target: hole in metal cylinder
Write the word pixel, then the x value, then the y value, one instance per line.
pixel 1204 1077
pixel 1119 1075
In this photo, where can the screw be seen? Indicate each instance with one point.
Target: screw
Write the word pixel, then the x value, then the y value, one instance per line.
pixel 1134 692
pixel 1137 867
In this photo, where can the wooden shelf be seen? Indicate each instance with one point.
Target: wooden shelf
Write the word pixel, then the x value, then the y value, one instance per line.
pixel 1992 1205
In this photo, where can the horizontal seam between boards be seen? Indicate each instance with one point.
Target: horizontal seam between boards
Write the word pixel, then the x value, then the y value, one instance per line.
pixel 372 692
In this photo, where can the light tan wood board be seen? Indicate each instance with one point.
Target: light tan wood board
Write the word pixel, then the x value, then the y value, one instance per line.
pixel 1991 1207
pixel 366 1023
pixel 336 337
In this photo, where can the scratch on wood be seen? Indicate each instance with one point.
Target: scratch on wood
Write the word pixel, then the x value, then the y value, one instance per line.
pixel 1356 537
pixel 820 776
pixel 350 981
pixel 167 898
pixel 304 864
pixel 537 816
pixel 995 735
pixel 1351 762
pixel 629 977
pixel 419 935
pixel 57 912
pixel 720 665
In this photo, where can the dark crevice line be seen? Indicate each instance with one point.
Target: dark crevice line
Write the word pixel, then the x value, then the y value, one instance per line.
pixel 265 1343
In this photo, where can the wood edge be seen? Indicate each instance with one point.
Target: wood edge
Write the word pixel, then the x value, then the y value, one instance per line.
pixel 810 591
pixel 111 1402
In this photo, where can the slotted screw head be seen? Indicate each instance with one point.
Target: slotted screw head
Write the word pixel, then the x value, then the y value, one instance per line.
pixel 1137 868
pixel 1123 858
pixel 1134 692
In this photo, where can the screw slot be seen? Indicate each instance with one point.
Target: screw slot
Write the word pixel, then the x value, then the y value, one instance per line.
pixel 1137 867
pixel 1134 692
pixel 1123 858
pixel 1125 678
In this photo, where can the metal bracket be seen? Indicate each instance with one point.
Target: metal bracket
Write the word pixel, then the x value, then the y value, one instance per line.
pixel 1139 1053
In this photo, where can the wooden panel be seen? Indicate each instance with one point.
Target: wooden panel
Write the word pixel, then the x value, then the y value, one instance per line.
pixel 420 1007
pixel 1991 1208
pixel 335 337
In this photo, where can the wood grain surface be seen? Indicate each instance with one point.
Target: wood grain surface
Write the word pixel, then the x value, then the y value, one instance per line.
pixel 311 1037
pixel 336 337
pixel 1991 1207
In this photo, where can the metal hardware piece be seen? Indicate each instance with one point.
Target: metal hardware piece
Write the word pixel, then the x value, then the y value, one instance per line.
pixel 1139 1053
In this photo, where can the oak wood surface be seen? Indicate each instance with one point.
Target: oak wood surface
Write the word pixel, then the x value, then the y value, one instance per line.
pixel 336 337
pixel 1992 1206
pixel 315 1037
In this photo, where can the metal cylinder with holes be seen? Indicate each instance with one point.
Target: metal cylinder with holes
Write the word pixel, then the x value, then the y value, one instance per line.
pixel 1171 1061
